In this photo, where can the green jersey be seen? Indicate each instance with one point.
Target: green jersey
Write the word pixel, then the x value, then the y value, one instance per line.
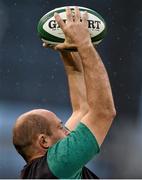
pixel 68 156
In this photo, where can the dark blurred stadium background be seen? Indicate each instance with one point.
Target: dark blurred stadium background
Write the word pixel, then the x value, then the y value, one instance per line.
pixel 34 77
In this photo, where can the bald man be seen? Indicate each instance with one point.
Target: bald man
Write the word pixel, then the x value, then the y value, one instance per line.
pixel 51 149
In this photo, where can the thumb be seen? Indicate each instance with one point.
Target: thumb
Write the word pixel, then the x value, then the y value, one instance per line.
pixel 60 46
pixel 66 46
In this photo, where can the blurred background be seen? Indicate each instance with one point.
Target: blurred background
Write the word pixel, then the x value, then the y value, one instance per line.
pixel 34 77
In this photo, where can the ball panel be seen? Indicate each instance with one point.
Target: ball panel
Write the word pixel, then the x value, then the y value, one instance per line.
pixel 54 33
pixel 99 36
pixel 44 34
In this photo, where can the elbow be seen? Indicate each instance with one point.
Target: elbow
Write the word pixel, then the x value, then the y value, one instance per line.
pixel 110 113
pixel 114 113
pixel 107 113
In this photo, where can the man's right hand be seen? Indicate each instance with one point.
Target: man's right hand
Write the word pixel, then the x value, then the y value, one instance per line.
pixel 75 30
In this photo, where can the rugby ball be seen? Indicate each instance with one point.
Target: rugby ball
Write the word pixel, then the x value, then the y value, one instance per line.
pixel 50 32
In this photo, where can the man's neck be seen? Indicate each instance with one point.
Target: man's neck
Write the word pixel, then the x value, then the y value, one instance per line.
pixel 36 156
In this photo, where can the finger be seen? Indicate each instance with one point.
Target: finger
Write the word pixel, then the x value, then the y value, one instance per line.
pixel 77 14
pixel 50 46
pixel 60 47
pixel 45 45
pixel 69 15
pixel 63 46
pixel 59 20
pixel 85 18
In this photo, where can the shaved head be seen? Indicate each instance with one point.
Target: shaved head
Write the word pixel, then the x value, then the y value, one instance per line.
pixel 28 126
pixel 35 131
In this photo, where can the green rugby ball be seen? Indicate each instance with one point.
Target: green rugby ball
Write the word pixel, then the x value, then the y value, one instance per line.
pixel 50 32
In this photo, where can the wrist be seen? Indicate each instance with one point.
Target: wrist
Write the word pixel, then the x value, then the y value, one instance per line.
pixel 84 48
pixel 84 42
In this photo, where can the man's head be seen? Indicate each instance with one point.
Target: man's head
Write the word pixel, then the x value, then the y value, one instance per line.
pixel 35 131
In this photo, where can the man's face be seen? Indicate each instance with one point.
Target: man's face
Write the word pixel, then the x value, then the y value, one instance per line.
pixel 58 131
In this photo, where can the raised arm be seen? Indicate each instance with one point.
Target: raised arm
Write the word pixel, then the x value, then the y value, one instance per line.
pixel 77 88
pixel 101 107
pixel 75 74
pixel 99 96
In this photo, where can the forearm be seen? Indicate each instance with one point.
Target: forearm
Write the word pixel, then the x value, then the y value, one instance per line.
pixel 72 62
pixel 78 98
pixel 101 106
pixel 75 74
pixel 97 83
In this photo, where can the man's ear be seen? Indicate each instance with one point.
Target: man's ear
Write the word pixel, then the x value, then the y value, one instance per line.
pixel 43 141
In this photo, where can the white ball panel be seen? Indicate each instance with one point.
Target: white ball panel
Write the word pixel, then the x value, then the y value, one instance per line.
pixel 95 25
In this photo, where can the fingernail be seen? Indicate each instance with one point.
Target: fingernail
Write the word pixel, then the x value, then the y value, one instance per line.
pixel 55 14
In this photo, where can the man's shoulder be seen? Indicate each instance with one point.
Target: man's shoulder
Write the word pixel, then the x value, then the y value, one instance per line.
pixel 81 136
pixel 67 157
